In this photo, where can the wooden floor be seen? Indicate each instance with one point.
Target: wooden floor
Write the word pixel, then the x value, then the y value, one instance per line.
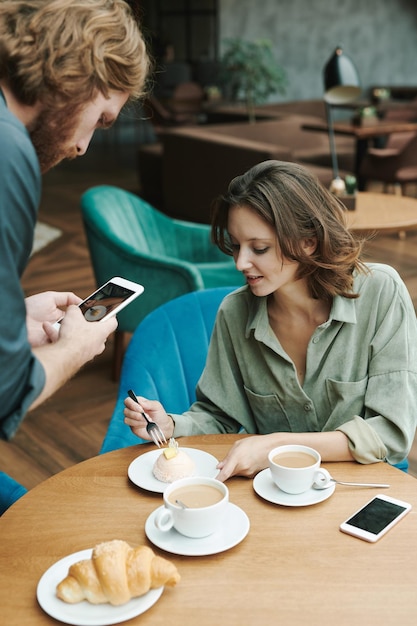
pixel 70 426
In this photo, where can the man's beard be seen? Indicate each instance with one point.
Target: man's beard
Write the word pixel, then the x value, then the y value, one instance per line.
pixel 51 134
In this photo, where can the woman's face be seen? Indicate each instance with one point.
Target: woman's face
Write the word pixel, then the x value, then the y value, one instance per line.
pixel 257 254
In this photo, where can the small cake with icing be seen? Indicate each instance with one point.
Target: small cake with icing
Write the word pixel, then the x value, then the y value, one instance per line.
pixel 173 464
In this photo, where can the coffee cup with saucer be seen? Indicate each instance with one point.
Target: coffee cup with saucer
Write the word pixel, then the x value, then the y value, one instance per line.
pixel 180 528
pixel 292 475
pixel 194 506
pixel 296 468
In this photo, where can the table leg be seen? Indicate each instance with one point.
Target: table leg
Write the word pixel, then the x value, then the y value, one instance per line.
pixel 361 150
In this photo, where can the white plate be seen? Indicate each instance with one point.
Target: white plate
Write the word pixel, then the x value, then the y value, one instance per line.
pixel 267 489
pixel 84 613
pixel 234 531
pixel 140 470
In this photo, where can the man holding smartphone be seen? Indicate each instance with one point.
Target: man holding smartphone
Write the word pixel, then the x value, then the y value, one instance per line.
pixel 66 69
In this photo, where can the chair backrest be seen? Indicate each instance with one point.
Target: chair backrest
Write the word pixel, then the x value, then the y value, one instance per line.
pixel 187 98
pixel 128 220
pixel 400 141
pixel 165 358
pixel 127 237
pixel 10 491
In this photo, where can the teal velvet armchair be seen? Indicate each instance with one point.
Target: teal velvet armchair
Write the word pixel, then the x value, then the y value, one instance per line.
pixel 128 237
pixel 10 491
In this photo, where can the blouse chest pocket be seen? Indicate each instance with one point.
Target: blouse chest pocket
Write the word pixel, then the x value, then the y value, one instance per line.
pixel 268 412
pixel 348 397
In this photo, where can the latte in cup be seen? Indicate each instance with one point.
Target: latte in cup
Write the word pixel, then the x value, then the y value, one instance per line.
pixel 294 459
pixel 206 501
pixel 196 496
pixel 295 468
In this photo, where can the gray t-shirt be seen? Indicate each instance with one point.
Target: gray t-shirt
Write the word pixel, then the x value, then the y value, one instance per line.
pixel 22 377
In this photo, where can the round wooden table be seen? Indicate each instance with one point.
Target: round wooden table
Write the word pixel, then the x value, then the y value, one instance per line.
pixel 293 567
pixel 382 213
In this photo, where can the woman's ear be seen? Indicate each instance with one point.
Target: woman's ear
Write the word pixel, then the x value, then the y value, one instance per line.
pixel 309 245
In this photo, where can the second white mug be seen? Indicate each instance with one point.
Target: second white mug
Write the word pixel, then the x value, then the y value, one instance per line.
pixel 295 468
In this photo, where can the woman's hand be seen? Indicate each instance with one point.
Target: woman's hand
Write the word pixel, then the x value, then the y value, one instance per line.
pixel 246 457
pixel 249 455
pixel 154 410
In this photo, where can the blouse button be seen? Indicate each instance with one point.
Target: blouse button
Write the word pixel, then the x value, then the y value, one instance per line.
pixel 316 339
pixel 307 407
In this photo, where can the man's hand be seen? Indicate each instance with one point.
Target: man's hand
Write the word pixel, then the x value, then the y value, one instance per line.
pixel 49 307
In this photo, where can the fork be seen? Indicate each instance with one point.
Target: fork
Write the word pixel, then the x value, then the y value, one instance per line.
pixel 152 428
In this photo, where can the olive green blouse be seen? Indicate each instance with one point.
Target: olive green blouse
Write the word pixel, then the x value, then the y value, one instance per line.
pixel 361 372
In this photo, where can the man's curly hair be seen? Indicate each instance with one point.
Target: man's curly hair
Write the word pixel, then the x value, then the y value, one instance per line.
pixel 65 51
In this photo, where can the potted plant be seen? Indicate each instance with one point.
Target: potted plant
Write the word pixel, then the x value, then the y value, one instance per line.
pixel 250 72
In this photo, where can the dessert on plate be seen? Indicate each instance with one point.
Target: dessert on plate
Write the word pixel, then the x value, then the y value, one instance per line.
pixel 173 464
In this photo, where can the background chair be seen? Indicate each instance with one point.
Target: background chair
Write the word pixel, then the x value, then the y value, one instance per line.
pixel 128 237
pixel 10 491
pixel 395 162
pixel 165 358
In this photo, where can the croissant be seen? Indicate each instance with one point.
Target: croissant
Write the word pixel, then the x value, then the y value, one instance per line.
pixel 115 573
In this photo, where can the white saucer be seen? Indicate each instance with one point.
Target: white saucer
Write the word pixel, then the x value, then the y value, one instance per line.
pixel 234 531
pixel 140 470
pixel 267 489
pixel 84 613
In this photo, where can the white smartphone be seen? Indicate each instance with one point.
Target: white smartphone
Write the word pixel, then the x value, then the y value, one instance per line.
pixel 107 301
pixel 376 518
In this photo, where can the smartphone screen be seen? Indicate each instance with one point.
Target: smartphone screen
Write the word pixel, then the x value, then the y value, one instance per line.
pixel 105 300
pixel 373 520
pixel 376 515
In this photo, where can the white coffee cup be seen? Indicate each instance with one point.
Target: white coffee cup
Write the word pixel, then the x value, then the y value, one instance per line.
pixel 295 468
pixel 206 501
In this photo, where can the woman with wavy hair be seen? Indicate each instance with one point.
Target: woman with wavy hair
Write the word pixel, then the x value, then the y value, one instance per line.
pixel 318 348
pixel 67 67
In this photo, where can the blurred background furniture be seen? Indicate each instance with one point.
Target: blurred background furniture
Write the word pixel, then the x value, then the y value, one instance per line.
pixel 165 358
pixel 197 163
pixel 128 237
pixel 183 107
pixel 395 164
pixel 381 213
pixel 187 100
pixel 363 135
pixel 10 491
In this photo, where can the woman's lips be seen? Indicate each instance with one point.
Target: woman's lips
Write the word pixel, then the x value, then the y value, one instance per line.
pixel 253 280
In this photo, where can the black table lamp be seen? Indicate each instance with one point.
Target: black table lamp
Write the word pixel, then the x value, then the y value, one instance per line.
pixel 341 86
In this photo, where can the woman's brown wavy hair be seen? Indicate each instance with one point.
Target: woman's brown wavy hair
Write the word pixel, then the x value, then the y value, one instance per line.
pixel 65 51
pixel 289 198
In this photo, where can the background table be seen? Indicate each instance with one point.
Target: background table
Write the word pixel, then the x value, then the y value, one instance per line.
pixel 382 212
pixel 294 567
pixel 363 134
